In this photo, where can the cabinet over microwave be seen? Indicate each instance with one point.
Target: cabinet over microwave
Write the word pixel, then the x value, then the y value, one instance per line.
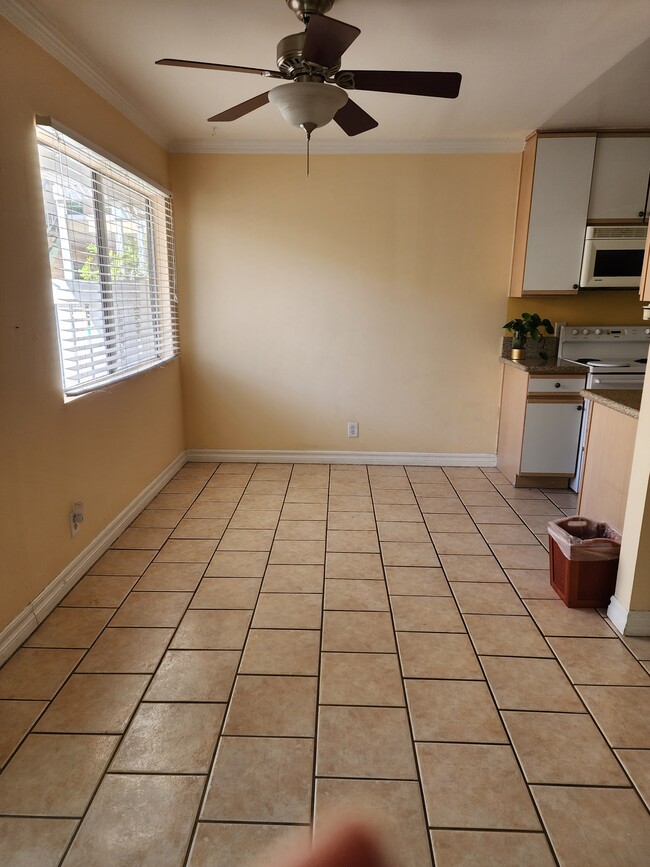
pixel 613 257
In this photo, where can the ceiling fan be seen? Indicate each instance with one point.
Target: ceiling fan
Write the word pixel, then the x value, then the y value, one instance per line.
pixel 317 92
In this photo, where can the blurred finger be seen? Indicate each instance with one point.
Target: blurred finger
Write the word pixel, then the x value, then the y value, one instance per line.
pixel 350 845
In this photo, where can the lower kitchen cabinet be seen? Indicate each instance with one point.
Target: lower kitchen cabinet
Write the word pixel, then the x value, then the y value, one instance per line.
pixel 551 434
pixel 539 427
pixel 607 465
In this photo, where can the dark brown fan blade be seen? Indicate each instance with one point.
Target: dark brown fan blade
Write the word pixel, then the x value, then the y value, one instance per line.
pixel 241 109
pixel 197 64
pixel 353 119
pixel 326 39
pixel 442 84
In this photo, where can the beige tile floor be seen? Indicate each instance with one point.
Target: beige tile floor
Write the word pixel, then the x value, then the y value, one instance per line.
pixel 269 643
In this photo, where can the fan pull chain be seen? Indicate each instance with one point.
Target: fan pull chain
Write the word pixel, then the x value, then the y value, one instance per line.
pixel 308 128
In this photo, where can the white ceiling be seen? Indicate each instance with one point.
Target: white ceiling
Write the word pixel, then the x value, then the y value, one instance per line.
pixel 526 64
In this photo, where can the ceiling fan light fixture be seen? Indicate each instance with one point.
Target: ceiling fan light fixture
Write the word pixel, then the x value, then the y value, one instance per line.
pixel 308 104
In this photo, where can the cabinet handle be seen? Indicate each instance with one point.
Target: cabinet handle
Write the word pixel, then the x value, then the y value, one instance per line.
pixel 558 385
pixel 579 408
pixel 576 285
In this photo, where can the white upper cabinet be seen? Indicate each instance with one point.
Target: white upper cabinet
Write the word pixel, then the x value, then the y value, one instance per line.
pixel 558 211
pixel 621 173
pixel 567 181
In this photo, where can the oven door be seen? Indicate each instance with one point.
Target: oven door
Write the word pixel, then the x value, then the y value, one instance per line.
pixel 612 264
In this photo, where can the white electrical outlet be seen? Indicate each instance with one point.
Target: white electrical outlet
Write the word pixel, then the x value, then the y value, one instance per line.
pixel 76 517
pixel 353 428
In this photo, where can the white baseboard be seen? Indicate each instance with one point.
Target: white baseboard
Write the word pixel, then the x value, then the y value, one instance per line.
pixel 628 622
pixel 22 626
pixel 420 459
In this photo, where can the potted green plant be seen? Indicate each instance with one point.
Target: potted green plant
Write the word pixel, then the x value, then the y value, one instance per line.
pixel 523 328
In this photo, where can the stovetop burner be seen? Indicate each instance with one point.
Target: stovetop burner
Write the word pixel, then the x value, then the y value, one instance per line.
pixel 596 362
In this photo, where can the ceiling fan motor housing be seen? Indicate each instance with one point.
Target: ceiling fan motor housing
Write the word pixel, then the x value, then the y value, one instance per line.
pixel 289 54
pixel 290 61
pixel 304 8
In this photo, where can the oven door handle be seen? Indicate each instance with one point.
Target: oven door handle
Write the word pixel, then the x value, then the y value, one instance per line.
pixel 615 382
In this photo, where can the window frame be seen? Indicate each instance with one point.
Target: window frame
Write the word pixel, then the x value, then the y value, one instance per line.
pixel 123 344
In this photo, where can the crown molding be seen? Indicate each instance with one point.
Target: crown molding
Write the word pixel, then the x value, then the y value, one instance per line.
pixel 31 21
pixel 35 25
pixel 370 146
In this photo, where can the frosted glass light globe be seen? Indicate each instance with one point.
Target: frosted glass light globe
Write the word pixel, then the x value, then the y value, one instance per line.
pixel 308 103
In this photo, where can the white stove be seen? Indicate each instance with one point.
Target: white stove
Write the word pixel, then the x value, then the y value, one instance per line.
pixel 613 356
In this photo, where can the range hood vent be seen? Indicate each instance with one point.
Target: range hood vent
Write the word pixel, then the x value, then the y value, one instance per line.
pixel 623 233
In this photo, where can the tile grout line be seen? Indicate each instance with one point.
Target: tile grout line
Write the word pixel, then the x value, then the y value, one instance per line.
pixel 587 712
pixel 509 740
pixel 611 749
pixel 208 774
pixel 221 735
pixel 512 749
pixel 416 760
pixel 320 663
pixel 150 675
pixel 86 650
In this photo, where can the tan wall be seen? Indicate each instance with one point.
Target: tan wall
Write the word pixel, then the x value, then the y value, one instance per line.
pixel 102 448
pixel 372 291
pixel 586 308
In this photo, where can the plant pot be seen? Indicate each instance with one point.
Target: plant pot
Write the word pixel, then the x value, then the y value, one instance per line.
pixel 517 354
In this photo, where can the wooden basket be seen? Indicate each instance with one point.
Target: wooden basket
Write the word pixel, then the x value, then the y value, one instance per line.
pixel 582 583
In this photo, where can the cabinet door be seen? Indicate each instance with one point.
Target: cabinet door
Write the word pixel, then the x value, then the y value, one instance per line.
pixel 620 183
pixel 551 435
pixel 558 213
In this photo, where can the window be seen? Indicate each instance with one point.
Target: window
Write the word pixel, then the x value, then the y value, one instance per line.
pixel 111 251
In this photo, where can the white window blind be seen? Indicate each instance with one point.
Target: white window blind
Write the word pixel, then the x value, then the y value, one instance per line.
pixel 111 250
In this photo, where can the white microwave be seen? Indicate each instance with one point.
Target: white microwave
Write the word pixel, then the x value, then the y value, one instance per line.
pixel 613 257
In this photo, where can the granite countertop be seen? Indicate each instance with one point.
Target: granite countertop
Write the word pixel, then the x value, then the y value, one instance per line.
pixel 625 400
pixel 556 366
pixel 532 363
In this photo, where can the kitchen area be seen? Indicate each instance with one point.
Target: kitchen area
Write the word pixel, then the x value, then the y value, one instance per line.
pixel 569 420
pixel 565 434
